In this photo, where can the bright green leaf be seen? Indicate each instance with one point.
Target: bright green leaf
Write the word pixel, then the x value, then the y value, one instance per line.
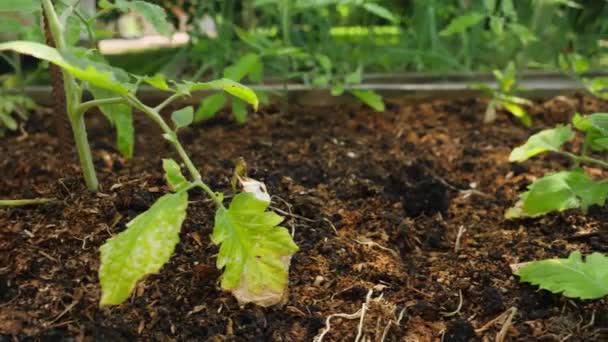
pixel 243 67
pixel 20 5
pixel 381 12
pixel 519 112
pixel 210 106
pixel 158 81
pixel 174 176
pixel 183 117
pixel 143 248
pixel 370 98
pixel 543 141
pixel 560 191
pixel 573 277
pixel 153 14
pixel 461 23
pixel 254 252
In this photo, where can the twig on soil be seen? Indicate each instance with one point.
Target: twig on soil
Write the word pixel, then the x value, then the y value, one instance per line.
pixel 464 192
pixel 455 312
pixel 67 309
pixel 360 314
pixel 506 319
pixel 22 202
pixel 461 231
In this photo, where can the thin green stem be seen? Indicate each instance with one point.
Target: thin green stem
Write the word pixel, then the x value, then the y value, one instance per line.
pixel 22 202
pixel 84 152
pixel 583 159
pixel 168 101
pixel 54 24
pixel 83 107
pixel 172 137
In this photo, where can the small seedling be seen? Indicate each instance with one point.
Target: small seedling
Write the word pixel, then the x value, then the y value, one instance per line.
pixel 254 252
pixel 566 189
pixel 572 277
pixel 576 66
pixel 503 97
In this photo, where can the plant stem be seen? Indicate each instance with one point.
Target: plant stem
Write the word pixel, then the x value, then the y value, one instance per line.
pixel 84 152
pixel 583 159
pixel 170 135
pixel 83 107
pixel 21 202
pixel 167 101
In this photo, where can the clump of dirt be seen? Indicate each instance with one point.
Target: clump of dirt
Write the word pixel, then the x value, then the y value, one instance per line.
pixel 376 203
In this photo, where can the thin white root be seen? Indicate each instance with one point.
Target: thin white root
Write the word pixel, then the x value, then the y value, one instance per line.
pixel 461 231
pixel 505 318
pixel 375 244
pixel 360 314
pixel 455 312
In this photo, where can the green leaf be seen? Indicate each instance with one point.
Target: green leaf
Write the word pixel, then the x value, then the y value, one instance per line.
pixel 158 81
pixel 543 141
pixel 104 77
pixel 153 14
pixel 244 66
pixel 183 117
pixel 254 252
pixel 19 5
pixel 233 88
pixel 461 23
pixel 210 106
pixel 573 277
pixel 560 191
pixel 174 176
pixel 381 12
pixel 519 112
pixel 239 111
pixel 121 117
pixel 143 248
pixel 370 98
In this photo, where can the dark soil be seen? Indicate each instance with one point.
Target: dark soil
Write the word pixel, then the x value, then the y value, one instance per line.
pixel 377 202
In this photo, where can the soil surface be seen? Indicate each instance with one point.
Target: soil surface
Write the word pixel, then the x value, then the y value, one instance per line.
pixel 375 201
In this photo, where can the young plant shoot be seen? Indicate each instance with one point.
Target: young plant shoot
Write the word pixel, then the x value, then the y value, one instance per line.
pixel 503 97
pixel 566 189
pixel 254 251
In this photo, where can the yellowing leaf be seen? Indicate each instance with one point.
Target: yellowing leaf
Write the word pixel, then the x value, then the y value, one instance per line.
pixel 546 140
pixel 143 248
pixel 573 277
pixel 254 252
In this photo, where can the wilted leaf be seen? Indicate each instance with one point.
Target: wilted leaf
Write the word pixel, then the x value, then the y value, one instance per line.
pixel 543 141
pixel 573 277
pixel 254 252
pixel 142 249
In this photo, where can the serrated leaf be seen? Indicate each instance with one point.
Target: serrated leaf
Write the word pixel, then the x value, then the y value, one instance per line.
pixel 143 248
pixel 158 81
pixel 104 77
pixel 231 87
pixel 121 117
pixel 573 277
pixel 254 251
pixel 461 23
pixel 543 141
pixel 183 117
pixel 370 98
pixel 210 105
pixel 560 191
pixel 174 176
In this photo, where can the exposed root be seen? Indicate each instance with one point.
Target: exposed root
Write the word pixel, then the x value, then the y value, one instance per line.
pixel 359 314
pixel 505 318
pixel 455 312
pixel 375 244
pixel 461 231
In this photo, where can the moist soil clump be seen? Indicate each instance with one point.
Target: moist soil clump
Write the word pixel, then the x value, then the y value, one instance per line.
pixel 375 202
